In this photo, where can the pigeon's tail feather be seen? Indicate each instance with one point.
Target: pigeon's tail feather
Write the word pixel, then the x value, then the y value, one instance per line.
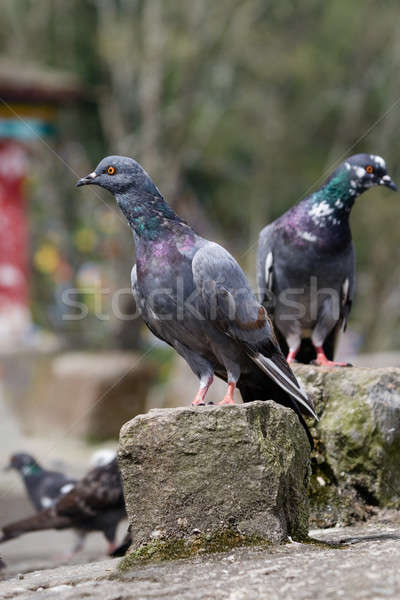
pixel 279 371
pixel 43 520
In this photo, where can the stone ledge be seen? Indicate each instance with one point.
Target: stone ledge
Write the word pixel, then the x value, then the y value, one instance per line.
pixel 197 476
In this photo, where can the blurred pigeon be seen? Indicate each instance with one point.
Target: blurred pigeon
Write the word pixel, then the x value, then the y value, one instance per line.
pixel 102 457
pixel 124 546
pixel 42 486
pixel 193 295
pixel 95 503
pixel 306 264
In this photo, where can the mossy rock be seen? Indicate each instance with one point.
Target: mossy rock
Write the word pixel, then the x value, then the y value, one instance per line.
pixel 175 548
pixel 356 462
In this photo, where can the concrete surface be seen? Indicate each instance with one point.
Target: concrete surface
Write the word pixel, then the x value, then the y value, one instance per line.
pixel 365 566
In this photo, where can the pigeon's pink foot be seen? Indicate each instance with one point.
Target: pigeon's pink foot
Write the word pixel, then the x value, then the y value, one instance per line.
pixel 201 394
pixel 291 357
pixel 111 547
pixel 228 398
pixel 322 361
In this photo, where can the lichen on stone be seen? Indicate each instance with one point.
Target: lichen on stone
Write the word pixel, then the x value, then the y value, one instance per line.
pixel 177 548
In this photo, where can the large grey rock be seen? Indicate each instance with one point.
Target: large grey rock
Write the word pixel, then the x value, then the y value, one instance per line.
pixel 356 464
pixel 207 478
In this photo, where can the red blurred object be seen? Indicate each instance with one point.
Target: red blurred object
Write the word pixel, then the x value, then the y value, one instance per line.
pixel 13 227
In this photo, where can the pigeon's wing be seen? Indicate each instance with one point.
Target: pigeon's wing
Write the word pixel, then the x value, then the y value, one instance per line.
pixel 52 487
pixel 347 289
pixel 100 489
pixel 265 266
pixel 45 519
pixel 346 300
pixel 230 303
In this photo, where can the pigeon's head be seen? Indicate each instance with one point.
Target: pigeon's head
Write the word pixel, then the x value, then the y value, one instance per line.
pixel 24 463
pixel 365 171
pixel 118 175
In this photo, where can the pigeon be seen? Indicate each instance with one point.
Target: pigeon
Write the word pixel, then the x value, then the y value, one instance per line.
pixel 306 264
pixel 194 295
pixel 42 486
pixel 95 503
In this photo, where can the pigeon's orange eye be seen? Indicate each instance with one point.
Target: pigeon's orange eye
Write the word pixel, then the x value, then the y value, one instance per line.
pixel 369 169
pixel 111 170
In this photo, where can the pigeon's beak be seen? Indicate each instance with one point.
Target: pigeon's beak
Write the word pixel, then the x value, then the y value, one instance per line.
pixel 388 182
pixel 87 180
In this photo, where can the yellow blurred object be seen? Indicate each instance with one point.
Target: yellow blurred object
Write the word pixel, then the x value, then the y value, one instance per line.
pixel 85 239
pixel 47 258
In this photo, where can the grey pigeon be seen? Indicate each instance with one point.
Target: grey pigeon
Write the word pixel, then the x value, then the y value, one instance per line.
pixel 95 503
pixel 306 264
pixel 44 487
pixel 193 295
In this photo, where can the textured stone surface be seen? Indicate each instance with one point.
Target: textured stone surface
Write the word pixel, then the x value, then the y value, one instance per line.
pixel 356 465
pixel 365 565
pixel 196 474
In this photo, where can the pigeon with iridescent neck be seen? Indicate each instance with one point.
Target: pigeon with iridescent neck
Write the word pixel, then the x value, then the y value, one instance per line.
pixel 95 503
pixel 306 264
pixel 193 295
pixel 44 487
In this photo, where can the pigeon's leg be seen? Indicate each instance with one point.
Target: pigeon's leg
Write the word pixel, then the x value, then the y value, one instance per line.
pixel 80 537
pixel 112 546
pixel 323 361
pixel 201 367
pixel 327 319
pixel 293 341
pixel 228 398
pixel 233 373
pixel 205 382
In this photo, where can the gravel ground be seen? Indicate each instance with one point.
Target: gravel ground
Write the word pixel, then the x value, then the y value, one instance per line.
pixel 366 565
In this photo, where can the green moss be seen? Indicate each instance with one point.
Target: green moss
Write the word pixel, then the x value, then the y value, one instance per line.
pixel 175 548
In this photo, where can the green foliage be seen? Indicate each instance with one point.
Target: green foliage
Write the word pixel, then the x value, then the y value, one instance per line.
pixel 236 108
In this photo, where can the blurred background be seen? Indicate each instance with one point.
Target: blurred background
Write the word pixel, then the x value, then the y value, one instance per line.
pixel 237 109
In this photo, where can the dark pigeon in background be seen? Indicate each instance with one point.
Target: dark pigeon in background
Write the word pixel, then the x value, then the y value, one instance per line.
pixel 306 264
pixel 95 503
pixel 44 487
pixel 193 295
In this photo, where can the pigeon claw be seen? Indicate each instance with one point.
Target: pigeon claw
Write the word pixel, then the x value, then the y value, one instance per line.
pixel 323 361
pixel 226 401
pixel 330 363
